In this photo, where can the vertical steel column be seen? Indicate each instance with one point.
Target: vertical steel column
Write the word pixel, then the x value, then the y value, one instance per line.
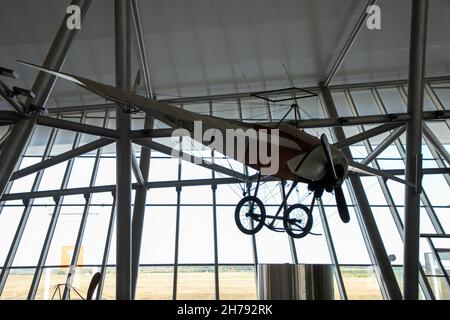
pixel 369 228
pixel 423 195
pixel 140 199
pixel 141 192
pixel 123 153
pixel 216 252
pixel 177 234
pixel 109 235
pixel 413 169
pixel 214 204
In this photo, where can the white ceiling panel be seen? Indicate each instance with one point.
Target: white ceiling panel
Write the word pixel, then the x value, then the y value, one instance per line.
pixel 201 47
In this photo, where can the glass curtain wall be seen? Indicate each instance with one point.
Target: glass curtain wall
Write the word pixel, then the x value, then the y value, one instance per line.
pixel 212 258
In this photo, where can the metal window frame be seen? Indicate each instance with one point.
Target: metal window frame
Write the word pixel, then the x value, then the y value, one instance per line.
pixel 44 84
pixel 53 222
pixel 25 215
pixel 83 222
pixel 375 247
pixel 395 136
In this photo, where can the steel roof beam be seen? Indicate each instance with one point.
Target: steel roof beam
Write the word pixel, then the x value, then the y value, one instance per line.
pixel 91 146
pixel 348 43
pixel 77 127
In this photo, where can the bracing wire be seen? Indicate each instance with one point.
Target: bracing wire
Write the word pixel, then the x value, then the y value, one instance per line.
pixel 222 26
pixel 266 33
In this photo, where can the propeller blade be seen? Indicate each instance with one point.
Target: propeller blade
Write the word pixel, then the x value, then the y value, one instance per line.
pixel 328 155
pixel 341 204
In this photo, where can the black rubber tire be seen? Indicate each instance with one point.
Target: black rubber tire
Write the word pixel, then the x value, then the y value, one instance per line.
pixel 308 225
pixel 237 215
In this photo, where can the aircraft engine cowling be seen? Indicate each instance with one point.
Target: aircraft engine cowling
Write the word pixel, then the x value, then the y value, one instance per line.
pixel 313 165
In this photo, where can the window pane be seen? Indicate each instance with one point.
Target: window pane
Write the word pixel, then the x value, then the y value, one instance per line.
pixel 109 287
pixel 81 281
pixel 196 195
pixel 63 142
pixel 364 102
pixel 93 244
pixel 273 247
pixel 313 248
pixel 163 169
pixel 38 141
pixel 155 283
pixel 158 238
pixel 61 248
pixel 195 283
pixel 237 283
pixel 17 284
pixel 226 109
pixel 9 220
pixel 360 283
pixel 229 238
pixel 81 172
pixel 347 238
pixel 106 174
pixel 196 242
pixel 389 234
pixel 53 176
pixel 33 237
pixel 25 184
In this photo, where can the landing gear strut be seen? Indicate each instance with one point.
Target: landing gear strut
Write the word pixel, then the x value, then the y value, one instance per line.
pixel 250 215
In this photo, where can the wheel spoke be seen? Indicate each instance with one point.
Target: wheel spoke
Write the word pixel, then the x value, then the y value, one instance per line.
pixel 249 215
pixel 298 221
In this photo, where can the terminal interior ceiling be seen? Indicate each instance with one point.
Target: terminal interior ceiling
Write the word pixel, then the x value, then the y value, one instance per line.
pixel 209 56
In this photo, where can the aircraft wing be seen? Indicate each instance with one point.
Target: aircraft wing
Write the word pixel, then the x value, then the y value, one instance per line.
pixel 169 114
pixel 357 167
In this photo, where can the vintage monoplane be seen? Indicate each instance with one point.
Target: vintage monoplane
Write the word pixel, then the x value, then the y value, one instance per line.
pixel 303 158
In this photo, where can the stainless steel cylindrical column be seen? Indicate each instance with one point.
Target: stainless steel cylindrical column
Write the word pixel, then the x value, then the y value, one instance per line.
pixel 295 282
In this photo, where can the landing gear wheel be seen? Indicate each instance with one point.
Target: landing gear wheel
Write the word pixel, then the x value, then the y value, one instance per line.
pixel 297 221
pixel 250 215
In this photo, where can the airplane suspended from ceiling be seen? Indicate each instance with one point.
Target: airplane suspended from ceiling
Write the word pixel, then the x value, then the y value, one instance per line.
pixel 303 158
